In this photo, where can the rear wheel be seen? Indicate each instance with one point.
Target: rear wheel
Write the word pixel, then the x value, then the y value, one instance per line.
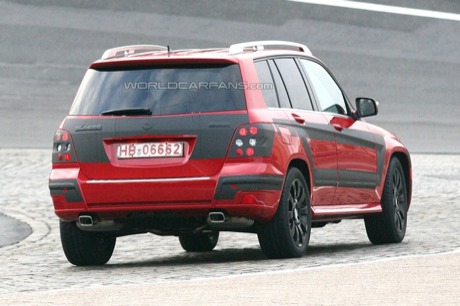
pixel 85 248
pixel 287 235
pixel 390 225
pixel 204 242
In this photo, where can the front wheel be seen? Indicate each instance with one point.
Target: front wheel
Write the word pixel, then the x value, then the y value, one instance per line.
pixel 204 242
pixel 287 235
pixel 85 248
pixel 390 225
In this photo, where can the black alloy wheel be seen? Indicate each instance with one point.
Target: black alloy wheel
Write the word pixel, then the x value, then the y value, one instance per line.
pixel 390 225
pixel 287 235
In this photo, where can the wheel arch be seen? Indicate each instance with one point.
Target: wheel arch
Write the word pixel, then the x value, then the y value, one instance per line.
pixel 406 164
pixel 303 166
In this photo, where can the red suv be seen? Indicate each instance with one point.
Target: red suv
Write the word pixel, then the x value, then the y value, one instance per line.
pixel 258 137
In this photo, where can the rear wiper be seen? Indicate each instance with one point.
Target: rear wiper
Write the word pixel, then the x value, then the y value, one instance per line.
pixel 127 112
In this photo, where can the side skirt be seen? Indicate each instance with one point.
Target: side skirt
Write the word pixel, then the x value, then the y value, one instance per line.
pixel 333 212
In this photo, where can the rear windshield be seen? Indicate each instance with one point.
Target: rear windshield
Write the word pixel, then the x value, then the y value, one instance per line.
pixel 163 90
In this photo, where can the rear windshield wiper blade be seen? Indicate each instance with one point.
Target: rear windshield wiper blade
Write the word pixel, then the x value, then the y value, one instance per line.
pixel 128 112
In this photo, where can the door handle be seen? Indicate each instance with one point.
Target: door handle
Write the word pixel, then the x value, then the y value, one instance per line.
pixel 298 118
pixel 338 127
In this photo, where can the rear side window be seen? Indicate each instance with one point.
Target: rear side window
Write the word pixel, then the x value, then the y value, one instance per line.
pixel 295 84
pixel 268 88
pixel 165 90
pixel 280 87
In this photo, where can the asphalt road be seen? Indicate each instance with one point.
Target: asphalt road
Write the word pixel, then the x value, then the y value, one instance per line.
pixel 341 264
pixel 409 64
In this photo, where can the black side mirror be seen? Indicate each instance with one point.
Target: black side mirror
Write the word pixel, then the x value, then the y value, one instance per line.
pixel 366 107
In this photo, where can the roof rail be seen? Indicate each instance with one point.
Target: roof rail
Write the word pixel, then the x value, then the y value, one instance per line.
pixel 130 50
pixel 273 44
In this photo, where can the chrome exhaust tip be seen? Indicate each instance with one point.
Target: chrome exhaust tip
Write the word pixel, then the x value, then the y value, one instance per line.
pixel 86 221
pixel 216 217
pixel 219 221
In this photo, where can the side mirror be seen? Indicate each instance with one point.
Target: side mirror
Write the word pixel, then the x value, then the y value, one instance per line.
pixel 366 107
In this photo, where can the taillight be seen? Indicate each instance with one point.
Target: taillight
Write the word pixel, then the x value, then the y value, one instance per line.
pixel 63 151
pixel 252 140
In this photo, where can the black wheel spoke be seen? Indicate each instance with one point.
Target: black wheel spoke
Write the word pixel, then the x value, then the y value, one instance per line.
pixel 303 211
pixel 291 219
pixel 295 189
pixel 300 235
pixel 398 200
pixel 295 235
pixel 303 220
pixel 397 179
pixel 400 219
pixel 400 189
pixel 302 197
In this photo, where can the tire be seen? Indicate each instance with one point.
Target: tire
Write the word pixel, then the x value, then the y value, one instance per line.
pixel 287 235
pixel 390 225
pixel 85 248
pixel 205 242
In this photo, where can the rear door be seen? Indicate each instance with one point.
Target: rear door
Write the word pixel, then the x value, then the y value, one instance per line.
pixel 311 127
pixel 156 121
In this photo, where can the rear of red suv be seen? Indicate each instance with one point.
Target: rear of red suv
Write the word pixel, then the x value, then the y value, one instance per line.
pixel 161 143
pixel 255 138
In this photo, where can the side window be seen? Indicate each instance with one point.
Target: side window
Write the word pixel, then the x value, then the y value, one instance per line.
pixel 280 87
pixel 267 85
pixel 295 85
pixel 329 95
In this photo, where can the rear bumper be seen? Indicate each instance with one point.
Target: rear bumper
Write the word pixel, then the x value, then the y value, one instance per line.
pixel 254 196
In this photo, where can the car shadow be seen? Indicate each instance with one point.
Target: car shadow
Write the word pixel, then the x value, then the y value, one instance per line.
pixel 239 255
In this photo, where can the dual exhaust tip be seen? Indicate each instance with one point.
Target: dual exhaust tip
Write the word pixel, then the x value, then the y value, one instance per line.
pixel 216 220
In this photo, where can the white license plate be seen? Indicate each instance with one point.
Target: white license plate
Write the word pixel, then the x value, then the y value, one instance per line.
pixel 150 150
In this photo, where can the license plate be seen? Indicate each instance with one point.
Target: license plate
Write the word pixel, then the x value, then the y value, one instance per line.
pixel 150 150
